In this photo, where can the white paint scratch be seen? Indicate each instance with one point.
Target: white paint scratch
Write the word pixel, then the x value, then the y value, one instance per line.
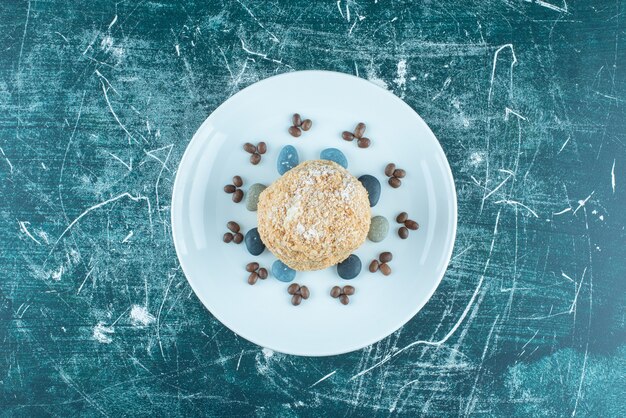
pixel 99 205
pixel 562 212
pixel 130 234
pixel 140 317
pixel 258 54
pixel 273 37
pixel 613 177
pixel 508 111
pixel 323 378
pixel 25 230
pixel 84 281
pixel 401 72
pixel 514 202
pixel 564 144
pixel 549 5
pixel 7 159
pixel 493 68
pixel 112 22
pixel 129 166
pixel 582 203
pixel 106 97
pixel 101 333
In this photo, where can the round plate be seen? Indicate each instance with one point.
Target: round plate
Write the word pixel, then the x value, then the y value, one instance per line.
pixel 334 102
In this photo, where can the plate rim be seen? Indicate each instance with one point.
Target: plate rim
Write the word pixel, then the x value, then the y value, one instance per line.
pixel 448 172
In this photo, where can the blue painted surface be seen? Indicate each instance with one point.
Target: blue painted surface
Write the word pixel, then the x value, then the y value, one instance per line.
pixel 98 101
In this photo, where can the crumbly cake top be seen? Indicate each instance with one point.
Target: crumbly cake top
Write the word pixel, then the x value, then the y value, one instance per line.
pixel 314 216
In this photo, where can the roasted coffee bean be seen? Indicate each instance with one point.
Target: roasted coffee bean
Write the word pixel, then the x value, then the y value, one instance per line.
pixel 364 142
pixel 262 273
pixel 228 237
pixel 344 299
pixel 306 124
pixel 261 148
pixel 374 266
pixel 296 300
pixel 348 290
pixel 250 267
pixel 238 238
pixel 238 196
pixel 255 158
pixel 385 257
pixel 403 232
pixel 348 136
pixel 249 148
pixel 402 217
pixel 395 182
pixel 359 130
pixel 293 288
pixel 233 226
pixel 295 131
pixel 412 225
pixel 296 119
pixel 252 278
pixel 385 269
pixel 237 181
pixel 335 291
pixel 389 169
pixel 399 173
pixel 304 291
pixel 230 188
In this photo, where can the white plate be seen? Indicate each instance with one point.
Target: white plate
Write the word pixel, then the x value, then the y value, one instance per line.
pixel 335 102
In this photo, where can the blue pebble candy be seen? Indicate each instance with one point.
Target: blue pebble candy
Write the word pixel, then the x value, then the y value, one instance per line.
pixel 287 159
pixel 333 154
pixel 349 268
pixel 372 185
pixel 282 271
pixel 253 242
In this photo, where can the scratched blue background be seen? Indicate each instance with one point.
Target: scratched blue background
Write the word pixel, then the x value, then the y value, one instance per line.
pixel 98 101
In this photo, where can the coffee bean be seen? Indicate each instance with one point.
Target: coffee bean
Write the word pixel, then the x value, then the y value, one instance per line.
pixel 249 148
pixel 306 124
pixel 262 273
pixel 304 291
pixel 348 290
pixel 237 181
pixel 395 182
pixel 233 226
pixel 364 142
pixel 399 173
pixel 335 292
pixel 238 238
pixel 389 169
pixel 293 288
pixel 385 257
pixel 252 278
pixel 402 217
pixel 295 131
pixel 228 237
pixel 359 130
pixel 296 119
pixel 348 136
pixel 412 225
pixel 374 266
pixel 250 267
pixel 261 148
pixel 255 158
pixel 296 300
pixel 344 299
pixel 403 232
pixel 238 196
pixel 230 188
pixel 385 269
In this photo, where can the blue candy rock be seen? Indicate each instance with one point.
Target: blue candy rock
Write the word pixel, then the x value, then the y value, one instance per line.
pixel 333 154
pixel 287 159
pixel 253 242
pixel 283 272
pixel 349 268
pixel 372 185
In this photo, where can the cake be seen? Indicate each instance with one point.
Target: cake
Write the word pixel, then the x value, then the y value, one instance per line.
pixel 314 216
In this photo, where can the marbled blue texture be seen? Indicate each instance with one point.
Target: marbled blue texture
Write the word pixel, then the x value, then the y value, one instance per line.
pixel 98 101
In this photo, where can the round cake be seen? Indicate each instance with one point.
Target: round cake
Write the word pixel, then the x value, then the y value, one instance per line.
pixel 314 216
